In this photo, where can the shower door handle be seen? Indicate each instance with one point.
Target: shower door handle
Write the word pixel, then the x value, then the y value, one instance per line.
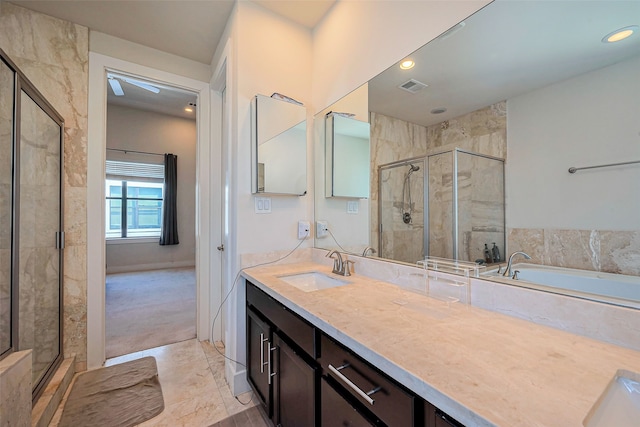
pixel 59 239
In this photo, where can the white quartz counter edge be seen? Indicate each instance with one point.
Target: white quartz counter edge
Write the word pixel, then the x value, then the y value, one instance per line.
pixel 413 383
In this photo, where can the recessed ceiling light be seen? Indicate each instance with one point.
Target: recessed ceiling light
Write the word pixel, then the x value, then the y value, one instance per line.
pixel 407 64
pixel 188 109
pixel 438 110
pixel 620 34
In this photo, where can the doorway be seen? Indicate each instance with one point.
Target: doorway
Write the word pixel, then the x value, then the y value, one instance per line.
pixel 99 68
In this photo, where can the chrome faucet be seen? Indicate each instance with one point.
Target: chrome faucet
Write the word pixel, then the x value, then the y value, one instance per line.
pixel 340 266
pixel 507 272
pixel 367 250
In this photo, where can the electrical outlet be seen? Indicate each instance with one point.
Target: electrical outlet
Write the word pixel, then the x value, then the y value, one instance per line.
pixel 322 229
pixel 304 230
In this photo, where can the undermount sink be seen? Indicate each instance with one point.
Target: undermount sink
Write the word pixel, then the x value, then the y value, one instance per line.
pixel 312 281
pixel 619 404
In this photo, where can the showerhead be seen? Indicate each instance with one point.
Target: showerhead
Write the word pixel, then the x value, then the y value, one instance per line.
pixel 414 168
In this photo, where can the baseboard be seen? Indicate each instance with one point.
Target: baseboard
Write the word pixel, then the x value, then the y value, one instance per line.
pixel 146 267
pixel 237 380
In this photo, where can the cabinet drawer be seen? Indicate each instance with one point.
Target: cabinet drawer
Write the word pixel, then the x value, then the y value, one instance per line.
pixel 388 400
pixel 298 330
pixel 337 411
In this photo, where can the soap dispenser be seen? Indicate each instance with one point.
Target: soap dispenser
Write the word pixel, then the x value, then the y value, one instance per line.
pixel 495 252
pixel 487 255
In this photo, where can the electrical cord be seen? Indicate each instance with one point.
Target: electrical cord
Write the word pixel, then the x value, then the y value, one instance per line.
pixel 339 245
pixel 235 281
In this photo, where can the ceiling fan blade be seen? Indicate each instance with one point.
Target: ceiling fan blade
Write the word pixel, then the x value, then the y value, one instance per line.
pixel 142 85
pixel 115 87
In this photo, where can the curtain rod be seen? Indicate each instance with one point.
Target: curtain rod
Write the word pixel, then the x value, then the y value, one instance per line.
pixel 133 151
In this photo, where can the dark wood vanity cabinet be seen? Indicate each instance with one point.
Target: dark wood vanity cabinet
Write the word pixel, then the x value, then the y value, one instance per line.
pixel 303 378
pixel 283 375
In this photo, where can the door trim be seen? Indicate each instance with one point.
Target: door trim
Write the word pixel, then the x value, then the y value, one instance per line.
pixel 97 115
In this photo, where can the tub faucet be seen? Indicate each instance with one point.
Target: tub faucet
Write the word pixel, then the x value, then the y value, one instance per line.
pixel 507 272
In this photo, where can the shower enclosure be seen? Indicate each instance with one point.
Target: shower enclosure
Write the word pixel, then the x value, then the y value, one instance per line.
pixel 31 240
pixel 448 204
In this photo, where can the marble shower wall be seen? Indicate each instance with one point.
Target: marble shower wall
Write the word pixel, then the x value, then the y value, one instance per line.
pixel 54 55
pixel 596 250
pixel 483 131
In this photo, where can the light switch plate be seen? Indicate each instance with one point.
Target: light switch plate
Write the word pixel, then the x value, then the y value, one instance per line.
pixel 263 205
pixel 353 206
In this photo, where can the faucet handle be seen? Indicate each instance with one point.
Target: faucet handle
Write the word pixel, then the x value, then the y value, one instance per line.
pixel 347 269
pixel 515 274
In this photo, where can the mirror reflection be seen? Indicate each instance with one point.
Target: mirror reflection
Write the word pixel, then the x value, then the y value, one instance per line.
pixel 279 148
pixel 347 156
pixel 543 99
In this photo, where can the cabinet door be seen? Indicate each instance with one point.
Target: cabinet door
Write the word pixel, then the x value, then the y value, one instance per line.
pixel 258 356
pixel 294 388
pixel 336 409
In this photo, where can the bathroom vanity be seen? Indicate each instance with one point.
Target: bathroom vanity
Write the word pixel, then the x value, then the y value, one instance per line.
pixel 301 376
pixel 367 352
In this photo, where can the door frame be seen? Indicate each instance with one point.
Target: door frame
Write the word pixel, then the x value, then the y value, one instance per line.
pixel 206 219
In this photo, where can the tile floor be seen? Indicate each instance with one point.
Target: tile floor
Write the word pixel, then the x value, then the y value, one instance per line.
pixel 195 392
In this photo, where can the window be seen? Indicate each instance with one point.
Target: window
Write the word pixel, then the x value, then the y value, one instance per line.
pixel 134 194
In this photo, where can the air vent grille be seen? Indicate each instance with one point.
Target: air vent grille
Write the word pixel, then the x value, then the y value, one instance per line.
pixel 412 86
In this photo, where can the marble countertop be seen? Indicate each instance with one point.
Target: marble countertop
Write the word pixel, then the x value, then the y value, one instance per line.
pixel 482 368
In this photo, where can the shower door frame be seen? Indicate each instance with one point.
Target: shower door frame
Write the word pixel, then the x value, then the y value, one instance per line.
pixel 454 184
pixel 23 84
pixel 454 215
pixel 400 163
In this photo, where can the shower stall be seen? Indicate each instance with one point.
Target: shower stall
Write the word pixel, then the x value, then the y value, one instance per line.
pixel 447 204
pixel 31 238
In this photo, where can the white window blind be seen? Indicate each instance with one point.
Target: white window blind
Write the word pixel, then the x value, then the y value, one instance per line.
pixel 131 171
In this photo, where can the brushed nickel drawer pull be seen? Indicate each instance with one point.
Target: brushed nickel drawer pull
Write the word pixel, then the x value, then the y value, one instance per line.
pixel 351 385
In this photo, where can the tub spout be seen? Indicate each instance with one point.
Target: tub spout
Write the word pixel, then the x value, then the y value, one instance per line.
pixel 507 272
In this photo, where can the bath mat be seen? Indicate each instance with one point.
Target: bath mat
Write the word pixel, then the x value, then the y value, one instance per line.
pixel 120 396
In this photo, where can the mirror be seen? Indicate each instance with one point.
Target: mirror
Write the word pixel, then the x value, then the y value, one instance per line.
pixel 279 146
pixel 347 156
pixel 502 86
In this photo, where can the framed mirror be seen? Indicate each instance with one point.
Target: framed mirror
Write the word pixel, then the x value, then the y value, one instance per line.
pixel 279 146
pixel 538 99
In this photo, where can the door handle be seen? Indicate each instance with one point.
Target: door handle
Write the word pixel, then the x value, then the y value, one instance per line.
pixel 262 362
pixel 271 374
pixel 221 247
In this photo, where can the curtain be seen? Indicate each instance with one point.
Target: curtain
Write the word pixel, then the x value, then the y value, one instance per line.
pixel 169 233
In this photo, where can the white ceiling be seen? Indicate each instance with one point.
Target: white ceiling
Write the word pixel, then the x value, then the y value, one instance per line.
pixel 188 28
pixel 508 48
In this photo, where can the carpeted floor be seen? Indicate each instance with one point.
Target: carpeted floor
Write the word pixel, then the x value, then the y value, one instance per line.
pixel 149 309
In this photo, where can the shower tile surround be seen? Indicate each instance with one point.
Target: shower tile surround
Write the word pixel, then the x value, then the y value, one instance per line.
pixel 483 131
pixel 53 54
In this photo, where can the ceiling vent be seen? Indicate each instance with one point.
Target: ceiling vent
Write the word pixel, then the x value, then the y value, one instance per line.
pixel 412 86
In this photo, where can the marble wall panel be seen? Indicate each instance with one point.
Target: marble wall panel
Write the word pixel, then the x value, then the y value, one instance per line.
pixel 54 55
pixel 15 383
pixel 595 250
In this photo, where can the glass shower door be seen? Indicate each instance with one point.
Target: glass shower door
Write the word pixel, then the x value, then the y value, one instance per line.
pixel 7 93
pixel 39 265
pixel 401 211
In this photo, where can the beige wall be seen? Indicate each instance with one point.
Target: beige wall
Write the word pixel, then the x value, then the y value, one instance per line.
pixel 138 130
pixel 54 56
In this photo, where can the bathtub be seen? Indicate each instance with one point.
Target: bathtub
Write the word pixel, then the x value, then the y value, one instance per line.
pixel 608 288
